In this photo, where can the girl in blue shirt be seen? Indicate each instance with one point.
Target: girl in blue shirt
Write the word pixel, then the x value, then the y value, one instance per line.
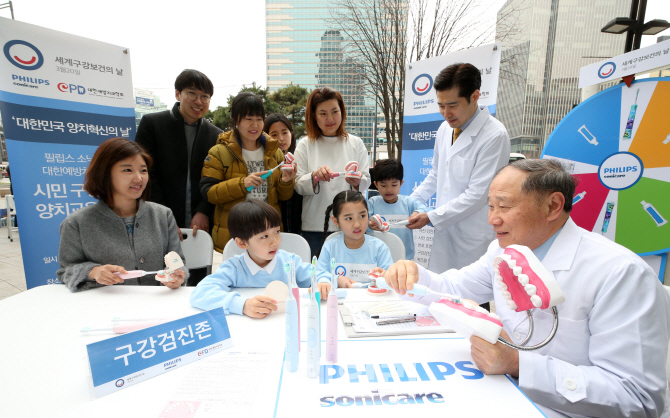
pixel 355 253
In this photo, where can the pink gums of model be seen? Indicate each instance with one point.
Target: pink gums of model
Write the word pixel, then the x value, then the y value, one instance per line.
pixel 524 281
pixel 381 224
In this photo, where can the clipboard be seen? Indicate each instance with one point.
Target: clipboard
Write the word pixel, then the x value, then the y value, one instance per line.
pixel 348 320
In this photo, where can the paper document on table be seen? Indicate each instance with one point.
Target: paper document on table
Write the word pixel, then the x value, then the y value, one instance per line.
pixel 234 384
pixel 425 322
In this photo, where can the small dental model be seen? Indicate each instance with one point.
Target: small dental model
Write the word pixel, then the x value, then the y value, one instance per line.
pixel 380 222
pixel 350 171
pixel 331 319
pixel 172 260
pixel 313 330
pixel 288 162
pixel 270 171
pixel 372 286
pixel 292 325
pixel 651 210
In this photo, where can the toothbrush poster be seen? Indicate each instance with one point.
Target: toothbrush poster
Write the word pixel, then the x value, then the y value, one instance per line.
pixel 375 378
pixel 616 145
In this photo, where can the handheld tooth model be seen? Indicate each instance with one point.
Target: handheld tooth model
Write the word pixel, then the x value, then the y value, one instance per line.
pixel 525 284
pixel 372 288
pixel 380 222
pixel 331 319
pixel 292 327
pixel 270 171
pixel 350 171
pixel 172 262
pixel 313 329
pixel 288 162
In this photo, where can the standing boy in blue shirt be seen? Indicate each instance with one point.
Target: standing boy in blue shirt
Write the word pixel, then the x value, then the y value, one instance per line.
pixel 393 207
pixel 254 225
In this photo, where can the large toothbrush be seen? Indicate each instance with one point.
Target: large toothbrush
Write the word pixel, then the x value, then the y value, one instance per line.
pixel 417 289
pixel 313 329
pixel 292 337
pixel 331 320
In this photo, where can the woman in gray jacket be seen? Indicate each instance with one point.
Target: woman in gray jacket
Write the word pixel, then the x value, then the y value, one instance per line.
pixel 121 231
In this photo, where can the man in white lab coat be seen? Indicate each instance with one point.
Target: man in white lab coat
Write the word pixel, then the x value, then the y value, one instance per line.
pixel 471 145
pixel 608 356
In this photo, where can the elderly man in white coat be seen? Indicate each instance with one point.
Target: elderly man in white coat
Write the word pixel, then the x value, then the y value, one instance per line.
pixel 471 146
pixel 608 355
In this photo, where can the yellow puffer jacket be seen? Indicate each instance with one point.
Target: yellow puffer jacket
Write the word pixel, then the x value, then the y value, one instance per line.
pixel 225 170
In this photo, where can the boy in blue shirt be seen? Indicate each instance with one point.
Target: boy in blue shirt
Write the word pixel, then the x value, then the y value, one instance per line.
pixel 255 227
pixel 393 207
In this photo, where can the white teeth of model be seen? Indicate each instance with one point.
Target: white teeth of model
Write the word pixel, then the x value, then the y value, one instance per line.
pixel 523 279
pixel 536 300
pixel 502 285
pixel 494 316
pixel 482 310
pixel 530 289
pixel 511 304
pixel 511 263
pixel 470 305
pixel 507 295
pixel 498 276
pixel 517 270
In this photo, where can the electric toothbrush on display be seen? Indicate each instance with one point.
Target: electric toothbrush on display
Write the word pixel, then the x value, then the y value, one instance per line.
pixel 631 119
pixel 313 329
pixel 331 320
pixel 292 338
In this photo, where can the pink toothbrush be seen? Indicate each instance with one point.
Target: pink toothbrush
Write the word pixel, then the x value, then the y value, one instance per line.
pixel 331 320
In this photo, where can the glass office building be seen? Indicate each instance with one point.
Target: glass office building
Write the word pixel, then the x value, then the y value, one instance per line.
pixel 550 41
pixel 303 48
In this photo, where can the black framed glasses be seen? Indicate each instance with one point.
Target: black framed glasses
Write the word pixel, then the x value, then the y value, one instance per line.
pixel 193 97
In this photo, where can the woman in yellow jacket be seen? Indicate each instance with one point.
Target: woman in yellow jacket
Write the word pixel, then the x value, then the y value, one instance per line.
pixel 237 162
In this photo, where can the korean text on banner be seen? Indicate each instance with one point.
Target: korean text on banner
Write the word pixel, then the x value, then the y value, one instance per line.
pixel 60 97
pixel 131 358
pixel 422 118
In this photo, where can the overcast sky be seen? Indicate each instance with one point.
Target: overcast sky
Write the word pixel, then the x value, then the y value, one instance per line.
pixel 225 39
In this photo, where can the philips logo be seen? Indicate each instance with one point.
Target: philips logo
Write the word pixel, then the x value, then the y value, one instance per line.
pixel 31 80
pixel 72 88
pixel 422 84
pixel 23 55
pixel 606 70
pixel 620 171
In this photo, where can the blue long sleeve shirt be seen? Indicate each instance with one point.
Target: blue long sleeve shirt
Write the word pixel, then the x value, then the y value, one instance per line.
pixel 354 264
pixel 398 211
pixel 215 290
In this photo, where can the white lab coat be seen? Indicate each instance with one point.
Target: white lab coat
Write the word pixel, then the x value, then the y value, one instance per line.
pixel 461 176
pixel 608 356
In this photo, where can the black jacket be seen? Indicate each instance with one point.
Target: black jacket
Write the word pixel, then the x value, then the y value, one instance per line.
pixel 162 134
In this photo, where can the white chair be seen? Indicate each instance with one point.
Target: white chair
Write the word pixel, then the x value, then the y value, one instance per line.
pixel 292 243
pixel 394 243
pixel 198 250
pixel 11 211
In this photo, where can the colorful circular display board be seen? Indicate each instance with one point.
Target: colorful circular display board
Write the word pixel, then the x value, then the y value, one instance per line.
pixel 617 143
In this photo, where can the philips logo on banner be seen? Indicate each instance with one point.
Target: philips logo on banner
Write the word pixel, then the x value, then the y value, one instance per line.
pixel 606 70
pixel 23 54
pixel 422 84
pixel 72 88
pixel 30 80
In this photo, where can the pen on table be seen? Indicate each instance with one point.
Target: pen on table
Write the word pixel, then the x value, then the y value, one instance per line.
pixel 397 320
pixel 393 316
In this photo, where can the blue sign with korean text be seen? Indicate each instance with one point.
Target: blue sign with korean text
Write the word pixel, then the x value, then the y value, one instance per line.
pixel 131 358
pixel 60 97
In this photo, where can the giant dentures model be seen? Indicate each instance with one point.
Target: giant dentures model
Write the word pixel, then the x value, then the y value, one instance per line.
pixel 525 284
pixel 350 171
